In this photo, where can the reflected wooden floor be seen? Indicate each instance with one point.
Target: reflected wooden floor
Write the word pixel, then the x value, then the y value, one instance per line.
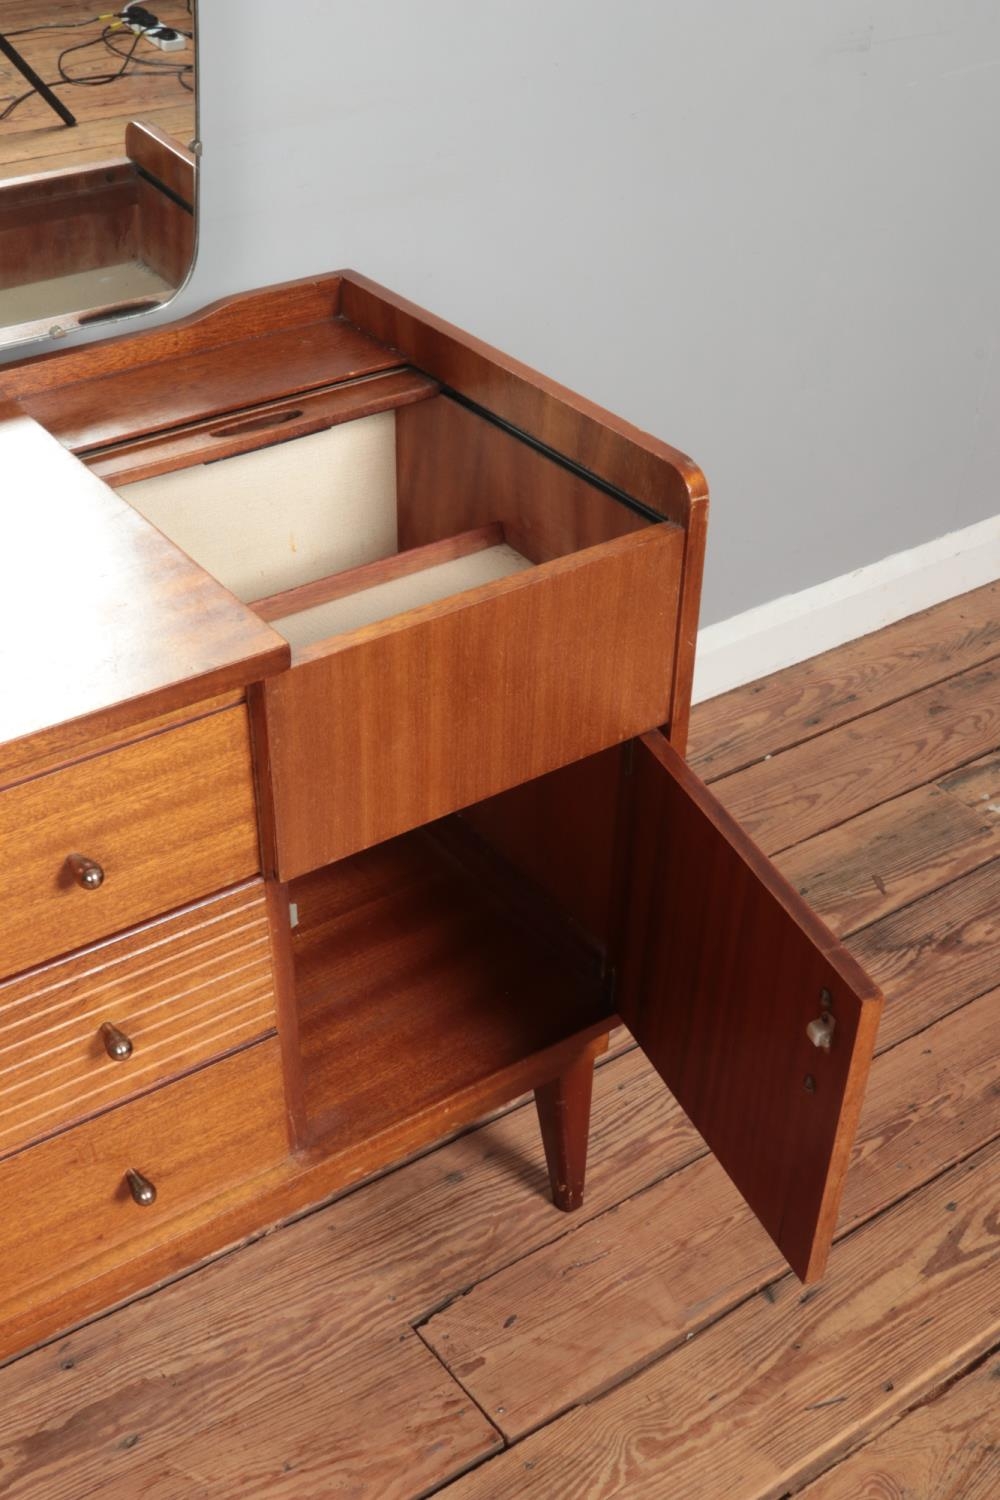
pixel 443 1330
pixel 33 139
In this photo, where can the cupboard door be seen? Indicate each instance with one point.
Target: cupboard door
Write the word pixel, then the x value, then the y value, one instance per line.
pixel 760 1023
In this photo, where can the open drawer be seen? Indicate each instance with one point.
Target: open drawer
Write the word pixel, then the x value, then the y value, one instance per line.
pixel 465 610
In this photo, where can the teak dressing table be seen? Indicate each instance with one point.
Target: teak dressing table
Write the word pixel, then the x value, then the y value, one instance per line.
pixel 345 685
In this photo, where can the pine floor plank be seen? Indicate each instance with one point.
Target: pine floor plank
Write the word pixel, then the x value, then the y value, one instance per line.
pixel 100 140
pixel 376 1418
pixel 948 1449
pixel 804 701
pixel 770 1395
pixel 825 781
pixel 978 786
pixel 934 956
pixel 889 856
pixel 575 1316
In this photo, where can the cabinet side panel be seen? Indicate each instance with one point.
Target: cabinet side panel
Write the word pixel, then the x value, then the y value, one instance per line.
pixel 456 470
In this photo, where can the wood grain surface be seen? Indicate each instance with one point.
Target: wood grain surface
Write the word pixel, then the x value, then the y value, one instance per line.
pixel 892 854
pixel 33 135
pixel 235 1104
pixel 163 157
pixel 381 1412
pixel 647 1288
pixel 382 570
pixel 417 716
pixel 933 956
pixel 168 819
pixel 356 1287
pixel 947 1449
pixel 821 782
pixel 121 626
pixel 721 970
pixel 206 381
pixel 407 966
pixel 183 989
pixel 165 235
pixel 81 740
pixel 250 316
pixel 376 1262
pixel 55 226
pixel 454 470
pixel 269 421
pixel 819 694
pixel 787 1383
pixel 643 467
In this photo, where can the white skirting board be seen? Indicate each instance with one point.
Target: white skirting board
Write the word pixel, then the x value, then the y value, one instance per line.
pixel 796 626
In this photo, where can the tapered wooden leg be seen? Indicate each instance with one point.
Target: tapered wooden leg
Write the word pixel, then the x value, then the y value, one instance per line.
pixel 564 1115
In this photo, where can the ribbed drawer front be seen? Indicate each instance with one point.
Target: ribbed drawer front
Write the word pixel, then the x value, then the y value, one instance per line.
pixel 92 849
pixel 169 995
pixel 69 1201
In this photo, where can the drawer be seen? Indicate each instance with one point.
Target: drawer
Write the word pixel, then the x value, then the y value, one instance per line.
pixel 465 612
pixel 167 819
pixel 192 1141
pixel 113 1021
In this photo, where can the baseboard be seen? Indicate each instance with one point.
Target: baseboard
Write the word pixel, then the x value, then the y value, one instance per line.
pixel 790 629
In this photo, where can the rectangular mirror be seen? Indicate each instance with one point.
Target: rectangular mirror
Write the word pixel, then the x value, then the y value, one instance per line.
pixel 97 162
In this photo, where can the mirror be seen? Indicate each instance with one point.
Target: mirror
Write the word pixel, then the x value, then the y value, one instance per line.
pixel 97 162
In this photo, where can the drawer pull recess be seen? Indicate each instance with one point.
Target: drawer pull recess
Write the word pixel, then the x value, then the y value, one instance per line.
pixel 116 1044
pixel 86 872
pixel 143 1191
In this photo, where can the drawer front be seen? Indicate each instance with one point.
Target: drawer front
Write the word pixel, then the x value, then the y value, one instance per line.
pixel 192 1140
pixel 405 721
pixel 88 1032
pixel 167 820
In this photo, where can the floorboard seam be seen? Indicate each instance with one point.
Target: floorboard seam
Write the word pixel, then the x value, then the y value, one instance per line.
pixel 830 728
pixel 445 1302
pixel 633 1372
pixel 926 896
pixel 816 833
pixel 927 1399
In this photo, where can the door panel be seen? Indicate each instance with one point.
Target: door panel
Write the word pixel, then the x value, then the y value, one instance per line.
pixel 722 970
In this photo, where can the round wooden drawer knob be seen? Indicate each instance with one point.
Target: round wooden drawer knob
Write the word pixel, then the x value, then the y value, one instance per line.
pixel 143 1191
pixel 86 872
pixel 116 1044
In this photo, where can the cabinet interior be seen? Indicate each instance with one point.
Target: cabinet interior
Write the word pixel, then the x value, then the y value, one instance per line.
pixel 89 242
pixel 362 521
pixel 421 979
pixel 430 965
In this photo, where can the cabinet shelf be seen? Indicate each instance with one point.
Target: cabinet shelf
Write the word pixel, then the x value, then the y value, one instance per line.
pixel 417 986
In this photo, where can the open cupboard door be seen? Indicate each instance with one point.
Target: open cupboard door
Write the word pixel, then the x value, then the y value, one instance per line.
pixel 760 1023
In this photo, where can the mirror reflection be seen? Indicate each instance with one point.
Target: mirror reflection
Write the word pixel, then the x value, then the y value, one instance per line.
pixel 97 161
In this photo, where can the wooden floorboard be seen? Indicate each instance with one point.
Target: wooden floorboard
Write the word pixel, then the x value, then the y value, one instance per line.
pixel 34 139
pixel 817 784
pixel 934 956
pixel 405 1333
pixel 807 700
pixel 930 1100
pixel 889 856
pixel 785 1384
pixel 947 1449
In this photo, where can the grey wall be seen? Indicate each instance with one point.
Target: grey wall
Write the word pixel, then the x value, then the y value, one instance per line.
pixel 765 230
